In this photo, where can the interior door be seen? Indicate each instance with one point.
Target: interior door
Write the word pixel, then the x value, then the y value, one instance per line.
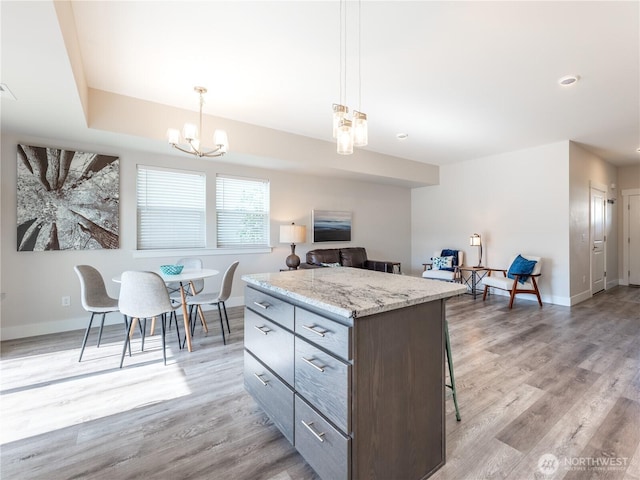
pixel 598 202
pixel 634 240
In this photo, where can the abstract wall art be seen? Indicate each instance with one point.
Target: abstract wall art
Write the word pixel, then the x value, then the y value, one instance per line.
pixel 67 200
pixel 331 226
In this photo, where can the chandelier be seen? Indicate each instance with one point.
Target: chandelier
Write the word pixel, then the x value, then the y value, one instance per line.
pixel 348 132
pixel 190 142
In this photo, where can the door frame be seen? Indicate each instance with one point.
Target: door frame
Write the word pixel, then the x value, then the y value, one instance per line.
pixel 626 193
pixel 601 188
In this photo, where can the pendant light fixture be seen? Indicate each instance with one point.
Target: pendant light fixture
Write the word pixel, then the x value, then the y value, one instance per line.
pixel 191 139
pixel 348 132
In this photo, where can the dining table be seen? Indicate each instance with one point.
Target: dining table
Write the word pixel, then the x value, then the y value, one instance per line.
pixel 184 279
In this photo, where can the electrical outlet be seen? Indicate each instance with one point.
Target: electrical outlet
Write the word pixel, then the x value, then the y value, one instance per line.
pixel 66 301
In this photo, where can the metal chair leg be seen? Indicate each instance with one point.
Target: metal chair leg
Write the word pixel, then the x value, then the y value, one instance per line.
pixel 224 307
pixel 101 327
pixel 192 319
pixel 447 347
pixel 173 314
pixel 224 341
pixel 142 323
pixel 86 335
pixel 164 350
pixel 128 325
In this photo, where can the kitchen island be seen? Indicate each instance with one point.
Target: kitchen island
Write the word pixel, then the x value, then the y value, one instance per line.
pixel 349 365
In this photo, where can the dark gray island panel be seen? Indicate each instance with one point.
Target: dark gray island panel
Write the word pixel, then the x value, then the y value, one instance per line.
pixel 368 369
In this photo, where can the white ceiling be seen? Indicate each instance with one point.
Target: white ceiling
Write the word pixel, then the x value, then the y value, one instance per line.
pixel 463 79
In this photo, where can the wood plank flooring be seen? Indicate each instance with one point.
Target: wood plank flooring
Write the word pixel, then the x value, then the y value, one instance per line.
pixel 550 392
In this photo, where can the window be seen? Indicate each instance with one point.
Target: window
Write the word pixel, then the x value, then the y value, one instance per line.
pixel 171 208
pixel 242 207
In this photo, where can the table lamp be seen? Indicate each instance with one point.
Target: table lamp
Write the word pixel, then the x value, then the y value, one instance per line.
pixel 293 234
pixel 476 241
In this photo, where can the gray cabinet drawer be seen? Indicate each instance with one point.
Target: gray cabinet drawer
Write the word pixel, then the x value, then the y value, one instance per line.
pixel 275 398
pixel 330 335
pixel 323 447
pixel 324 381
pixel 271 343
pixel 268 306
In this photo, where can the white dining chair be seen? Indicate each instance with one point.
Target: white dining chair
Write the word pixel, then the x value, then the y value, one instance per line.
pixel 144 295
pixel 217 298
pixel 94 299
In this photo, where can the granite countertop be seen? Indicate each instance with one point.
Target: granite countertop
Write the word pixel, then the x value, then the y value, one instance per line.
pixel 353 292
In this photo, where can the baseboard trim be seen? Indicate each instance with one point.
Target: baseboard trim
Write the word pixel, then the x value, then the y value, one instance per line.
pixel 80 323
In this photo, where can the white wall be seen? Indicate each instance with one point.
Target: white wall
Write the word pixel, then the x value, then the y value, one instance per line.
pixel 34 282
pixel 517 201
pixel 586 168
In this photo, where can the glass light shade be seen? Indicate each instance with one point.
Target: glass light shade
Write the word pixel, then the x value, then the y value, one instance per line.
pixel 345 138
pixel 173 135
pixel 339 114
pixel 190 131
pixel 360 134
pixel 293 233
pixel 475 240
pixel 220 140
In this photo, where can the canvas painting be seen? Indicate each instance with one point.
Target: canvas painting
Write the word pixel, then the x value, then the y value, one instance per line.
pixel 331 226
pixel 67 200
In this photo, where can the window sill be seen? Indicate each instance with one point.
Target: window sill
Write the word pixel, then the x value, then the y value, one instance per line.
pixel 202 252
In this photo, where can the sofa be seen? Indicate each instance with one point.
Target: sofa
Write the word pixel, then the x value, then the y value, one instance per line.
pixel 348 257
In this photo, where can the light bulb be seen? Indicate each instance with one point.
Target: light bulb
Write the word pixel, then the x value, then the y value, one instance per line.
pixel 360 134
pixel 345 138
pixel 190 132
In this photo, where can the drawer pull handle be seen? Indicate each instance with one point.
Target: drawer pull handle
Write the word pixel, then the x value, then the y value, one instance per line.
pixel 312 430
pixel 260 329
pixel 261 380
pixel 313 329
pixel 263 305
pixel 320 369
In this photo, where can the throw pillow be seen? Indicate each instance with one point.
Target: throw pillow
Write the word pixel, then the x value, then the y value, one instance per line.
pixel 450 253
pixel 521 266
pixel 442 263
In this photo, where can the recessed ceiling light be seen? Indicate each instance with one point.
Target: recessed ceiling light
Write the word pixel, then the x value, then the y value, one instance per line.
pixel 568 80
pixel 402 136
pixel 638 149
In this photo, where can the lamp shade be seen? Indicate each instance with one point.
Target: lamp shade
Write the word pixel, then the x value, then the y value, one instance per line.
pixel 475 240
pixel 293 233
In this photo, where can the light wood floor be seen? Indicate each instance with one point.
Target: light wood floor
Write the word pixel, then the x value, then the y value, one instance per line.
pixel 536 386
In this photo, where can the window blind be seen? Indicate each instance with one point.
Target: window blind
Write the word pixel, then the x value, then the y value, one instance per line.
pixel 171 209
pixel 242 207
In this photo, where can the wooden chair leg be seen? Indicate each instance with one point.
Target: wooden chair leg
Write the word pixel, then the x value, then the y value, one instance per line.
pixel 513 295
pixel 535 287
pixel 153 326
pixel 484 295
pixel 133 323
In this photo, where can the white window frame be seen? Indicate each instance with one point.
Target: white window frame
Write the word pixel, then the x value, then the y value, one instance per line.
pixel 173 213
pixel 241 224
